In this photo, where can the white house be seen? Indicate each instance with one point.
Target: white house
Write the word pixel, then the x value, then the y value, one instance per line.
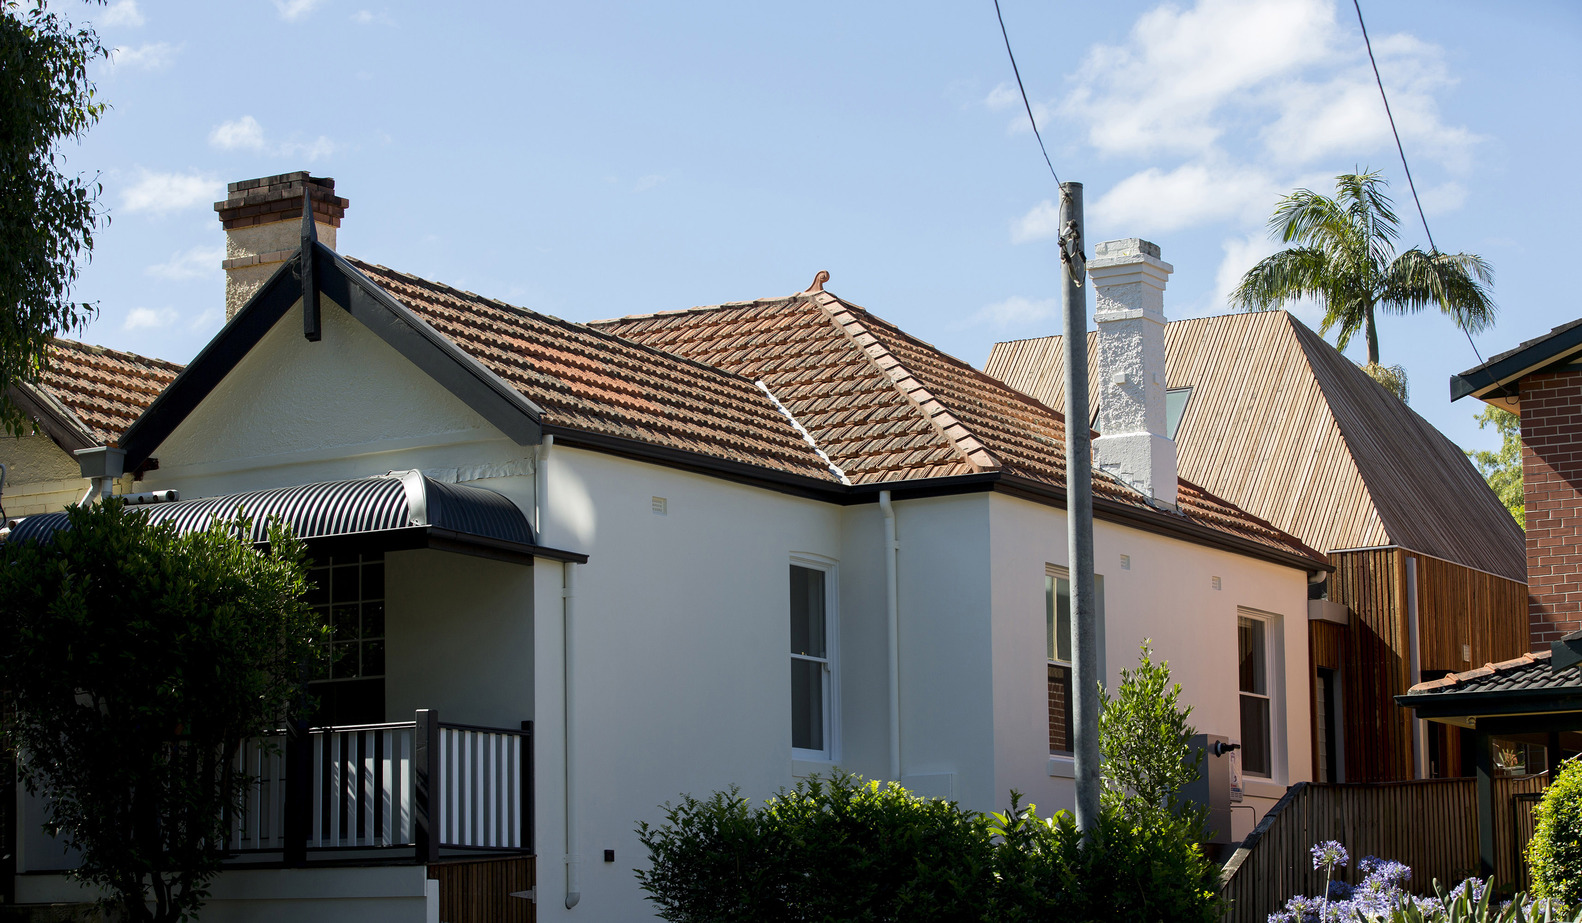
pixel 726 546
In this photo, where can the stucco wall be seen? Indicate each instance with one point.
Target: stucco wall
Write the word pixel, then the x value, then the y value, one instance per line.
pixel 42 477
pixel 1166 595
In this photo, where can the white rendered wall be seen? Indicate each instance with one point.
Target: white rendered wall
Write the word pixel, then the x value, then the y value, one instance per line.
pixel 459 638
pixel 397 894
pixel 682 672
pixel 1167 595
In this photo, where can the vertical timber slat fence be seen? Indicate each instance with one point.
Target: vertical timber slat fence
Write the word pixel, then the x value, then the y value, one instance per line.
pixel 1430 825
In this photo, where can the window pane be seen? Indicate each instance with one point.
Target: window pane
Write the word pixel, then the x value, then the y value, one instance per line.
pixel 373 620
pixel 1063 619
pixel 1250 656
pixel 318 586
pixel 343 584
pixel 807 612
pixel 373 658
pixel 374 580
pixel 807 704
pixel 1255 756
pixel 1175 406
pixel 1059 709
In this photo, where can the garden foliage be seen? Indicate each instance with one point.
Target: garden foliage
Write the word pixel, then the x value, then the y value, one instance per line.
pixel 1555 854
pixel 840 848
pixel 136 661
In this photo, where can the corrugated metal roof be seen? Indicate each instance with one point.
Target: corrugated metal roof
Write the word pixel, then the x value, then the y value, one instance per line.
pixel 1284 426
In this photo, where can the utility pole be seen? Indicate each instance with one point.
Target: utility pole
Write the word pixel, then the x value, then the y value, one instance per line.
pixel 1079 510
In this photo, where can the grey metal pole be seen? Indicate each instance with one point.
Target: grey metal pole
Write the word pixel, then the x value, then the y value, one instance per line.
pixel 1079 510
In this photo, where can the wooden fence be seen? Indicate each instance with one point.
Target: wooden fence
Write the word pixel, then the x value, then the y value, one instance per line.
pixel 480 890
pixel 1430 825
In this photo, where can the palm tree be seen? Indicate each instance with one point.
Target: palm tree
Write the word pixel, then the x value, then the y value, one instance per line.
pixel 1346 260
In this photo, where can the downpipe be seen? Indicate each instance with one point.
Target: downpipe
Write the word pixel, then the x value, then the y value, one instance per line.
pixel 573 890
pixel 893 619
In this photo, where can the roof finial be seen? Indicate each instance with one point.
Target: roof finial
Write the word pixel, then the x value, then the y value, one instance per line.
pixel 818 282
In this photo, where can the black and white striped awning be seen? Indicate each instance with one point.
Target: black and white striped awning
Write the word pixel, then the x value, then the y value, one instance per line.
pixel 399 509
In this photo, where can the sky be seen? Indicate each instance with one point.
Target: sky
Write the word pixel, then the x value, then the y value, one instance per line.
pixel 595 159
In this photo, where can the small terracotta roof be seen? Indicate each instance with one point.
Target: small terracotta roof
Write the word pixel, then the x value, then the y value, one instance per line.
pixel 1520 674
pixel 887 407
pixel 590 381
pixel 105 389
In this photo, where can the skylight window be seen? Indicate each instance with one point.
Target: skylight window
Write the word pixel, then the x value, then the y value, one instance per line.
pixel 1175 408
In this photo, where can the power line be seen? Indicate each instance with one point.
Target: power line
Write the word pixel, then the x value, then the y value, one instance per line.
pixel 1025 103
pixel 1433 247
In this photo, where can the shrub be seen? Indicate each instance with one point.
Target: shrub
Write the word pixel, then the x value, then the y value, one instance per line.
pixel 836 848
pixel 1555 854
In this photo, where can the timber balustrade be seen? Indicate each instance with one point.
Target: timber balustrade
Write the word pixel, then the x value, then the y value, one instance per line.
pixel 1430 825
pixel 421 786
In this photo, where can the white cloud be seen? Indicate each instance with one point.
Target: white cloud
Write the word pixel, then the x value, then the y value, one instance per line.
pixel 1154 200
pixel 148 318
pixel 246 134
pixel 1444 198
pixel 648 182
pixel 207 321
pixel 122 13
pixel 160 193
pixel 1017 311
pixel 1002 97
pixel 292 10
pixel 370 18
pixel 1041 222
pixel 150 57
pixel 189 264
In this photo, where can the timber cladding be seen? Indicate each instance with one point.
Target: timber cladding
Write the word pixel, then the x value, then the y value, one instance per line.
pixel 479 890
pixel 1460 611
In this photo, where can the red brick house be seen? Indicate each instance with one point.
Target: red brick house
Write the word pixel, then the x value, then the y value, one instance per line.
pixel 1541 382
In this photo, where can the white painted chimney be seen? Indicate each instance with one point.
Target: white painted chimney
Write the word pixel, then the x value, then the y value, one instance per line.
pixel 263 227
pixel 1129 288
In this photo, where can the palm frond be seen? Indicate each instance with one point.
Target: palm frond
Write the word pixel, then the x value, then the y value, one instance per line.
pixel 1456 283
pixel 1305 217
pixel 1299 272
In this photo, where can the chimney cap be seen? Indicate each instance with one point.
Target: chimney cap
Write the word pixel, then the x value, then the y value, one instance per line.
pixel 268 199
pixel 1127 246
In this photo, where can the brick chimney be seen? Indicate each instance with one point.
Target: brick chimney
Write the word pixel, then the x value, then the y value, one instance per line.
pixel 263 227
pixel 1129 287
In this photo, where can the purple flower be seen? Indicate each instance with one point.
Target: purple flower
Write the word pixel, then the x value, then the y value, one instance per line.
pixel 1339 890
pixel 1329 854
pixel 1384 875
pixel 1472 889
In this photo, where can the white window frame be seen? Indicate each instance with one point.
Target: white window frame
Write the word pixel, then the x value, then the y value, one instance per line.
pixel 831 751
pixel 1274 689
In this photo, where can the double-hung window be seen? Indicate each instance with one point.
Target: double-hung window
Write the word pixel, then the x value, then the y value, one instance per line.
pixel 1252 655
pixel 1058 647
pixel 348 593
pixel 813 711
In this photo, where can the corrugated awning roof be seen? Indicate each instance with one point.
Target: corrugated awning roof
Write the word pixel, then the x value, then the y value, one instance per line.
pixel 402 503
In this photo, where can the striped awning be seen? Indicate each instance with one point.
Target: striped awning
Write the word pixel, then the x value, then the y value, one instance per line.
pixel 400 501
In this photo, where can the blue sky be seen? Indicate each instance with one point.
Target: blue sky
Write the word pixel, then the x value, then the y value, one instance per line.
pixel 599 158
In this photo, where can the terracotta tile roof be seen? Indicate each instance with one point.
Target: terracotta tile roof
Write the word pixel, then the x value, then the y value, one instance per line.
pixel 104 388
pixel 589 381
pixel 1527 672
pixel 887 407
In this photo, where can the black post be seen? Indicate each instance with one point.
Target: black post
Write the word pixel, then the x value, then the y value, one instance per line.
pixel 425 821
pixel 527 786
pixel 1483 758
pixel 1552 754
pixel 299 793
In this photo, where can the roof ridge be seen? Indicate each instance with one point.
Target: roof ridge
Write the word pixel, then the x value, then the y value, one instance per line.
pixel 561 322
pixel 94 349
pixel 783 301
pixel 936 414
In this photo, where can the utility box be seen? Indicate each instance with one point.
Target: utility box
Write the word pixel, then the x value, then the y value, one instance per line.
pixel 1213 786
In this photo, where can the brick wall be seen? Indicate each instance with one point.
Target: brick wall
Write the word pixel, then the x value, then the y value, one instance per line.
pixel 1552 482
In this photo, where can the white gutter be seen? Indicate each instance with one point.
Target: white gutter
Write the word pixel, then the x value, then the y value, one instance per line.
pixel 893 611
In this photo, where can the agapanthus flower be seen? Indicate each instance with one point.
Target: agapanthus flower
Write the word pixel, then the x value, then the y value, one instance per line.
pixel 1330 854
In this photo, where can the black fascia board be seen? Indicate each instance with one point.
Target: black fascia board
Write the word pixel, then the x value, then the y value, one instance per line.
pixel 1474 704
pixel 55 421
pixel 214 362
pixel 1502 369
pixel 449 365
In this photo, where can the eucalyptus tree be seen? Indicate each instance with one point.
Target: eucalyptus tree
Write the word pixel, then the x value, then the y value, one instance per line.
pixel 1345 259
